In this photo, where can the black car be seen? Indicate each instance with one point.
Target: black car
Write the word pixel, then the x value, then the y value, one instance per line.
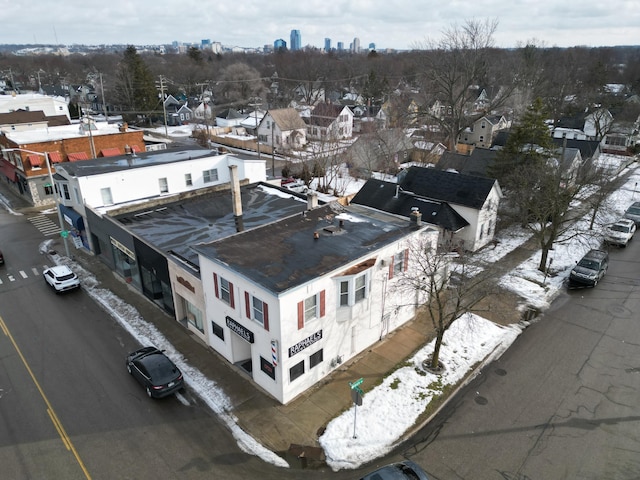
pixel 155 372
pixel 405 470
pixel 590 269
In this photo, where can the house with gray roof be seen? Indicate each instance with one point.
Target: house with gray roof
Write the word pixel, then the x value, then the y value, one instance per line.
pixel 469 219
pixel 282 129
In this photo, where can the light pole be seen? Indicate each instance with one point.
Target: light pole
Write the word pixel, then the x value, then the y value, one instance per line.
pixel 53 188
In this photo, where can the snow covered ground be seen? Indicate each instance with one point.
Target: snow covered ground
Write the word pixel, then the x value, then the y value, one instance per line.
pixel 392 408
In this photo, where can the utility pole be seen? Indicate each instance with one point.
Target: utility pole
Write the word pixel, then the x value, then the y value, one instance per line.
pixel 162 85
pixel 104 105
pixel 255 106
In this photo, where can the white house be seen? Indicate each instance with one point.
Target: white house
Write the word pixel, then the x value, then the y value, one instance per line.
pixel 290 301
pixel 282 129
pixel 51 106
pixel 330 122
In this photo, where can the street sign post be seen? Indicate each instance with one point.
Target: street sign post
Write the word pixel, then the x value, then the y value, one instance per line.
pixel 356 396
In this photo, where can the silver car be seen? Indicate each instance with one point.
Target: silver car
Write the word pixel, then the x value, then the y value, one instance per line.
pixel 633 212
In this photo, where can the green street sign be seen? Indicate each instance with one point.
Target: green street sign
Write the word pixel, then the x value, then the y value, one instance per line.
pixel 356 384
pixel 64 233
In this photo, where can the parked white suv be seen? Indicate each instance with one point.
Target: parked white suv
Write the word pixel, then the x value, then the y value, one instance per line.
pixel 620 233
pixel 61 278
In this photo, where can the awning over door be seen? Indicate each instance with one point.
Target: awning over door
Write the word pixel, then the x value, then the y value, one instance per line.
pixel 8 170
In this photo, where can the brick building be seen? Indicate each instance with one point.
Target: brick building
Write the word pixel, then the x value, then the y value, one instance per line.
pixel 23 165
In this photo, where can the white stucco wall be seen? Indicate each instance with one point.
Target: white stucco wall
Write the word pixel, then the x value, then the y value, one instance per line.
pixel 345 331
pixel 138 183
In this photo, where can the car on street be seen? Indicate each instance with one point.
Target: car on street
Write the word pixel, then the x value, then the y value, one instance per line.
pixel 155 372
pixel 61 278
pixel 633 213
pixel 405 470
pixel 620 233
pixel 590 269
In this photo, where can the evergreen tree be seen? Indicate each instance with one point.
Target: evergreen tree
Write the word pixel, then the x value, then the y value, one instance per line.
pixel 135 86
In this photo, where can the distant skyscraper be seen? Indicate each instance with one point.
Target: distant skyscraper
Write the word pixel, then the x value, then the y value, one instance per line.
pixel 355 46
pixel 340 46
pixel 372 46
pixel 327 44
pixel 279 44
pixel 296 40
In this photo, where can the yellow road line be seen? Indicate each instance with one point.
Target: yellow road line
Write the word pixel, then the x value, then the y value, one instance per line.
pixel 54 418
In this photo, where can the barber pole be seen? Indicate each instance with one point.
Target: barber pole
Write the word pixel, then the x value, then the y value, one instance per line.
pixel 274 352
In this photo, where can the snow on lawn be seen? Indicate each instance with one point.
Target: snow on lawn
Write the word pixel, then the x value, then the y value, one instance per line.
pixel 393 408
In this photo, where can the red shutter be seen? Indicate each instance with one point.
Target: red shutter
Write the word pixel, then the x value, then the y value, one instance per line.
pixel 247 304
pixel 300 315
pixel 406 259
pixel 215 284
pixel 391 269
pixel 322 310
pixel 266 316
pixel 232 301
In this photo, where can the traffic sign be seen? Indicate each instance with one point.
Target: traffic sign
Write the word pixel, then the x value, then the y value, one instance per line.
pixel 64 233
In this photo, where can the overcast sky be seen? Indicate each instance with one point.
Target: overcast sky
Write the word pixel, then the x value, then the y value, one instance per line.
pixel 398 24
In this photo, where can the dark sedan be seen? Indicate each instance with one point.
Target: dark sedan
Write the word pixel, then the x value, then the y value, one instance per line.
pixel 405 470
pixel 155 372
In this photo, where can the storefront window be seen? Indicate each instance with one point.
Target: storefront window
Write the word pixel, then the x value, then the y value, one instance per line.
pixel 193 315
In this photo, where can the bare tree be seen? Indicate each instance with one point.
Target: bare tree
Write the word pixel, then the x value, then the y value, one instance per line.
pixel 238 83
pixel 447 285
pixel 453 69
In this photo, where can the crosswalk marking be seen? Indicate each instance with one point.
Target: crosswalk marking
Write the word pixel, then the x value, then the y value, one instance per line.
pixel 45 225
pixel 11 278
pixel 35 271
pixel 24 275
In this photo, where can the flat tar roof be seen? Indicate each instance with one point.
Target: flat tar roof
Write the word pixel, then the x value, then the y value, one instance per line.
pixel 177 226
pixel 286 254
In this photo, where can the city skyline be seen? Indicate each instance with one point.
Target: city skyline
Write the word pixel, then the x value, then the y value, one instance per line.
pixel 404 25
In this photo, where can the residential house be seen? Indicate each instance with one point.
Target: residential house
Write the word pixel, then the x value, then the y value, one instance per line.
pixel 475 199
pixel 109 182
pixel 51 106
pixel 283 307
pixel 592 126
pixel 282 129
pixel 23 160
pixel 330 122
pixel 203 112
pixel 388 197
pixel 177 112
pixel 230 117
pixel 482 132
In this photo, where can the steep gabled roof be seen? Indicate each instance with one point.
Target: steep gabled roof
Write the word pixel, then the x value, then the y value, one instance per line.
pixel 324 114
pixel 388 197
pixel 230 114
pixel 287 119
pixel 454 188
pixel 476 164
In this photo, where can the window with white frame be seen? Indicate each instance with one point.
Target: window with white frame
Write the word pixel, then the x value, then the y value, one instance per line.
pixel 225 290
pixel 187 180
pixel 209 176
pixel 311 308
pixel 164 185
pixel 258 310
pixel 107 199
pixel 353 289
pixel 398 263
